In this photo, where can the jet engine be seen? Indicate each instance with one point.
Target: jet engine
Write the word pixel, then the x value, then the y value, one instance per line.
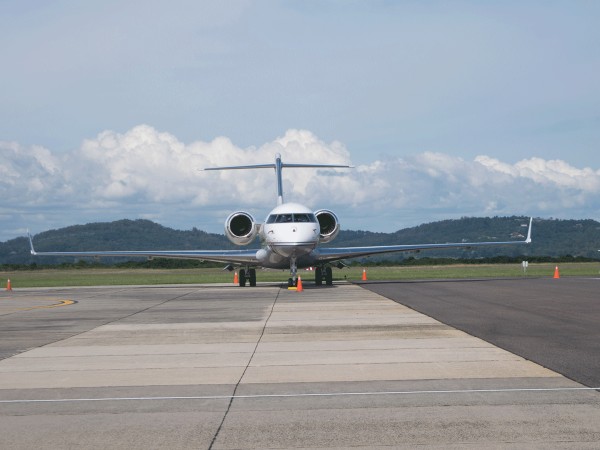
pixel 329 224
pixel 240 228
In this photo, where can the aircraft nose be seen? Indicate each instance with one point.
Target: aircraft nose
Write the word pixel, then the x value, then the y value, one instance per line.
pixel 305 233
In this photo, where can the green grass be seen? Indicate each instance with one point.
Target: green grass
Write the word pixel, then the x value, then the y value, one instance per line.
pixel 108 276
pixel 459 271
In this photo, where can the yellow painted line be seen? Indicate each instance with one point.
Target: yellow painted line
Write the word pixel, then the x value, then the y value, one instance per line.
pixel 54 305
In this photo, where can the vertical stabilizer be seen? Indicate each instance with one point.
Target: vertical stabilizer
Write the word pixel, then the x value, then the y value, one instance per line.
pixel 278 171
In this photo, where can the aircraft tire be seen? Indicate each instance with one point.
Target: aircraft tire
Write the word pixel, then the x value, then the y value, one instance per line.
pixel 328 276
pixel 242 277
pixel 318 276
pixel 252 276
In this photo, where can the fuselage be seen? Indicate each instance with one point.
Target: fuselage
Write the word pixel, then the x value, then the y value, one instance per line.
pixel 290 232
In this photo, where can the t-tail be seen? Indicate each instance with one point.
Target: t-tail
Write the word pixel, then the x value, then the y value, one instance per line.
pixel 278 166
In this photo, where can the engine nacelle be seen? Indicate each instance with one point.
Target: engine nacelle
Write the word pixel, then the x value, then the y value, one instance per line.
pixel 240 228
pixel 329 225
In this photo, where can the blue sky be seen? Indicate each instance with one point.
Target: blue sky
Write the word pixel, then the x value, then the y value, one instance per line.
pixel 447 109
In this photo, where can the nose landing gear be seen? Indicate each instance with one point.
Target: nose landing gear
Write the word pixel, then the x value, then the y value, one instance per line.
pixel 293 279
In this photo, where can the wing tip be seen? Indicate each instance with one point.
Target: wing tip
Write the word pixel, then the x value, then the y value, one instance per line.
pixel 31 249
pixel 528 239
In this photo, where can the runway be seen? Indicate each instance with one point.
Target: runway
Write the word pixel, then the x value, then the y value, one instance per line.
pixel 222 367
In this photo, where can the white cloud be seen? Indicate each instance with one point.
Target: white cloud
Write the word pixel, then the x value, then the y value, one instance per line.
pixel 147 173
pixel 553 172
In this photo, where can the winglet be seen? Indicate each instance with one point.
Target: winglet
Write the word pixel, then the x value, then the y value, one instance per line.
pixel 32 250
pixel 528 240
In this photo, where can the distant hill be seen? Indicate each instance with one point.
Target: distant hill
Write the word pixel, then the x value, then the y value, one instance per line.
pixel 551 237
pixel 119 235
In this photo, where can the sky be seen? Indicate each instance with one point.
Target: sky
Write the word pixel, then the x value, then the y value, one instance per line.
pixel 110 109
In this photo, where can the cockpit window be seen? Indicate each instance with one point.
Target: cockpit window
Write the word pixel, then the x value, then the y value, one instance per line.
pixel 301 218
pixel 288 218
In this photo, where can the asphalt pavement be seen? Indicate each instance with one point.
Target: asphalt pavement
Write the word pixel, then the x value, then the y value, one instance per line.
pixel 553 322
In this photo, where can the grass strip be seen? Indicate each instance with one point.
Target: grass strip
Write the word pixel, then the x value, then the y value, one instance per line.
pixel 119 277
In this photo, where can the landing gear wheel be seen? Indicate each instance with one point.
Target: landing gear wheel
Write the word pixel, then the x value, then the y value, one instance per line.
pixel 291 282
pixel 252 277
pixel 318 276
pixel 242 278
pixel 328 276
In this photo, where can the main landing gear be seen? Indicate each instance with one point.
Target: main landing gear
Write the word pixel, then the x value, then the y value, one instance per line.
pixel 249 276
pixel 323 274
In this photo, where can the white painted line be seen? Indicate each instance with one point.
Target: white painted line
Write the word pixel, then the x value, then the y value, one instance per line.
pixel 322 394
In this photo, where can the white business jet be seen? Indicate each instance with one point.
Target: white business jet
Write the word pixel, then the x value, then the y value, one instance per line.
pixel 290 238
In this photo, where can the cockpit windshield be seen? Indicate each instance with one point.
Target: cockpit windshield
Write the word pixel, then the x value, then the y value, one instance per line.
pixel 293 217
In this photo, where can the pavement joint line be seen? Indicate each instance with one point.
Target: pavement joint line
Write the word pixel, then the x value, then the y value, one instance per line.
pixel 237 385
pixel 299 395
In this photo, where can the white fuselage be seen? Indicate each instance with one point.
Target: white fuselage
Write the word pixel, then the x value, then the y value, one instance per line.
pixel 290 232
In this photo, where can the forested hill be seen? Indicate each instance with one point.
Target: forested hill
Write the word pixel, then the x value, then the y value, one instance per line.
pixel 119 235
pixel 551 237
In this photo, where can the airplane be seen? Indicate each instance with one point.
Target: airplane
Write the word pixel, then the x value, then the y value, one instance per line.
pixel 289 236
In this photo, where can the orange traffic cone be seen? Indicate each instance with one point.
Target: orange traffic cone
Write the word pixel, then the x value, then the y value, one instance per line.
pixel 8 286
pixel 236 280
pixel 364 276
pixel 556 274
pixel 299 285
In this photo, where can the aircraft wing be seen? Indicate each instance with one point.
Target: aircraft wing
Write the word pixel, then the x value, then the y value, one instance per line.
pixel 226 256
pixel 329 254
